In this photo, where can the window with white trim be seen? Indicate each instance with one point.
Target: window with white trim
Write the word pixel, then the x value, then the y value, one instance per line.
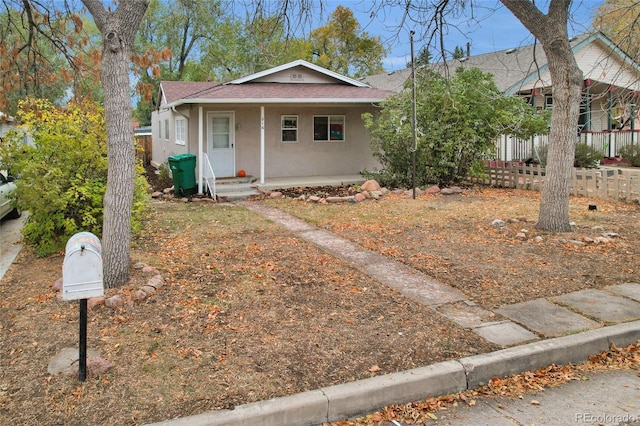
pixel 159 129
pixel 166 129
pixel 289 128
pixel 548 102
pixel 181 131
pixel 328 128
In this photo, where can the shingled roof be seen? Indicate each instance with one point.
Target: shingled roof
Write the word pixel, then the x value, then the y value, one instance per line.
pixel 510 67
pixel 254 88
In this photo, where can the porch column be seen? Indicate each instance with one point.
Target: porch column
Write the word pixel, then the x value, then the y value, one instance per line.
pixel 610 120
pixel 634 96
pixel 534 93
pixel 200 150
pixel 262 145
pixel 587 91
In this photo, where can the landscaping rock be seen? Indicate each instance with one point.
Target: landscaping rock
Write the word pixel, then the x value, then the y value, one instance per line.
pixel 114 302
pixel 448 191
pixel 339 199
pixel 57 285
pixel 497 222
pixel 148 289
pixel 435 189
pixel 376 195
pixel 156 194
pixel 314 198
pixel 149 269
pixel 95 301
pixel 97 366
pixel 276 194
pixel 139 265
pixel 167 191
pixel 371 185
pixel 140 295
pixel 156 281
pixel 359 197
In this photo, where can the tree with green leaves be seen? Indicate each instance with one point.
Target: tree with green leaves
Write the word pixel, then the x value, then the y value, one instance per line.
pixel 45 55
pixel 342 47
pixel 63 174
pixel 458 53
pixel 458 121
pixel 548 23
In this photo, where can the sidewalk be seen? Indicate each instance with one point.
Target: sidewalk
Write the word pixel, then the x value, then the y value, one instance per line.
pixel 560 330
pixel 610 398
pixel 10 241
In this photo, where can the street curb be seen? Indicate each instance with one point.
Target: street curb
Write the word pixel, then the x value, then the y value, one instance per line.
pixel 349 400
pixel 573 349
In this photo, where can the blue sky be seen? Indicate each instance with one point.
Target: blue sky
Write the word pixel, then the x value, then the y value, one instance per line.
pixel 493 28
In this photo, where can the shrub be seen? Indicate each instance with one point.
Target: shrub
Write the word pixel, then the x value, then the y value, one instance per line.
pixel 587 157
pixel 631 154
pixel 63 175
pixel 458 121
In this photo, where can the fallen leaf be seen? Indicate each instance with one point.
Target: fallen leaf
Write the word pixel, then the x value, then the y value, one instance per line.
pixel 535 402
pixel 374 369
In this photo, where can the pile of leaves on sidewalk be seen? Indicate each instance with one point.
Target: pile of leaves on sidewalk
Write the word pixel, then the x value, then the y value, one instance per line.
pixel 513 386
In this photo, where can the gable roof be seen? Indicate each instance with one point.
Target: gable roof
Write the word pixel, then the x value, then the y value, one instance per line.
pixel 511 68
pixel 305 64
pixel 258 88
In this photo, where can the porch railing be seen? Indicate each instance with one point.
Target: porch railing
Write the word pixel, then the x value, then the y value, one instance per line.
pixel 209 177
pixel 609 143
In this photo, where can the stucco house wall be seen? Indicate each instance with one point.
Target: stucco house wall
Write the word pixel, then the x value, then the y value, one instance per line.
pixel 297 89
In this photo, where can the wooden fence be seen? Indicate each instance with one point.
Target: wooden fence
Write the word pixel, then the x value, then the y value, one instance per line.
pixel 143 148
pixel 616 183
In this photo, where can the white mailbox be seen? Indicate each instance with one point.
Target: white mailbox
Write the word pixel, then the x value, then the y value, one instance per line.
pixel 82 267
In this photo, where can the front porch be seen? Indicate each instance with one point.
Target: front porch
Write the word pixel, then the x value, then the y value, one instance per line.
pixel 232 189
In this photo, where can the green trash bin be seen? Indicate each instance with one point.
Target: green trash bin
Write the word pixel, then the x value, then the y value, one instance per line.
pixel 183 170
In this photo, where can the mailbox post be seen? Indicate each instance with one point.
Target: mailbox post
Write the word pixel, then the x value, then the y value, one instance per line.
pixel 81 279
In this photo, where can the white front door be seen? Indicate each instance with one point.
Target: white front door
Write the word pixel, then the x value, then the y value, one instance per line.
pixel 221 143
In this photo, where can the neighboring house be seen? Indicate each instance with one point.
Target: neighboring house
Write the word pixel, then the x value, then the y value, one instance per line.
pixel 297 119
pixel 608 117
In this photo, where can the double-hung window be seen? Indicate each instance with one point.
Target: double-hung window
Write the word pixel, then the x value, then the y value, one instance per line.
pixel 181 131
pixel 328 128
pixel 289 128
pixel 166 129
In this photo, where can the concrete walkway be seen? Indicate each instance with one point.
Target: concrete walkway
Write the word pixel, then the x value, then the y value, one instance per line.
pixel 560 330
pixel 519 323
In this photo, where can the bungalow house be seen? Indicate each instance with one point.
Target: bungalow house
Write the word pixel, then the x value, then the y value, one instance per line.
pixel 608 117
pixel 297 119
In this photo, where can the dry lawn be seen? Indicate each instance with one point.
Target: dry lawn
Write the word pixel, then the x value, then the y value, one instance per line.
pixel 251 312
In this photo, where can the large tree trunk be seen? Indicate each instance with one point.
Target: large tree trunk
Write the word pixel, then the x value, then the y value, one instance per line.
pixel 118 32
pixel 566 78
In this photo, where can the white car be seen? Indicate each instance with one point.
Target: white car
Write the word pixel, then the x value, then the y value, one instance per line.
pixel 7 187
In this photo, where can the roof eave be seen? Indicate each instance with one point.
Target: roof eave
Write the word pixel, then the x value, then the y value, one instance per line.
pixel 275 101
pixel 299 62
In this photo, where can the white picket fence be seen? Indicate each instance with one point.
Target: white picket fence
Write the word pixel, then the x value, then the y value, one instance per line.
pixel 609 143
pixel 620 183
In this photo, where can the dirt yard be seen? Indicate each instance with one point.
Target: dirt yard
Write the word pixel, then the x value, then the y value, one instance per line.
pixel 249 312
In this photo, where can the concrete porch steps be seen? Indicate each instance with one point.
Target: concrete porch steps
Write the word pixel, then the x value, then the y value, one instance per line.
pixel 236 188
